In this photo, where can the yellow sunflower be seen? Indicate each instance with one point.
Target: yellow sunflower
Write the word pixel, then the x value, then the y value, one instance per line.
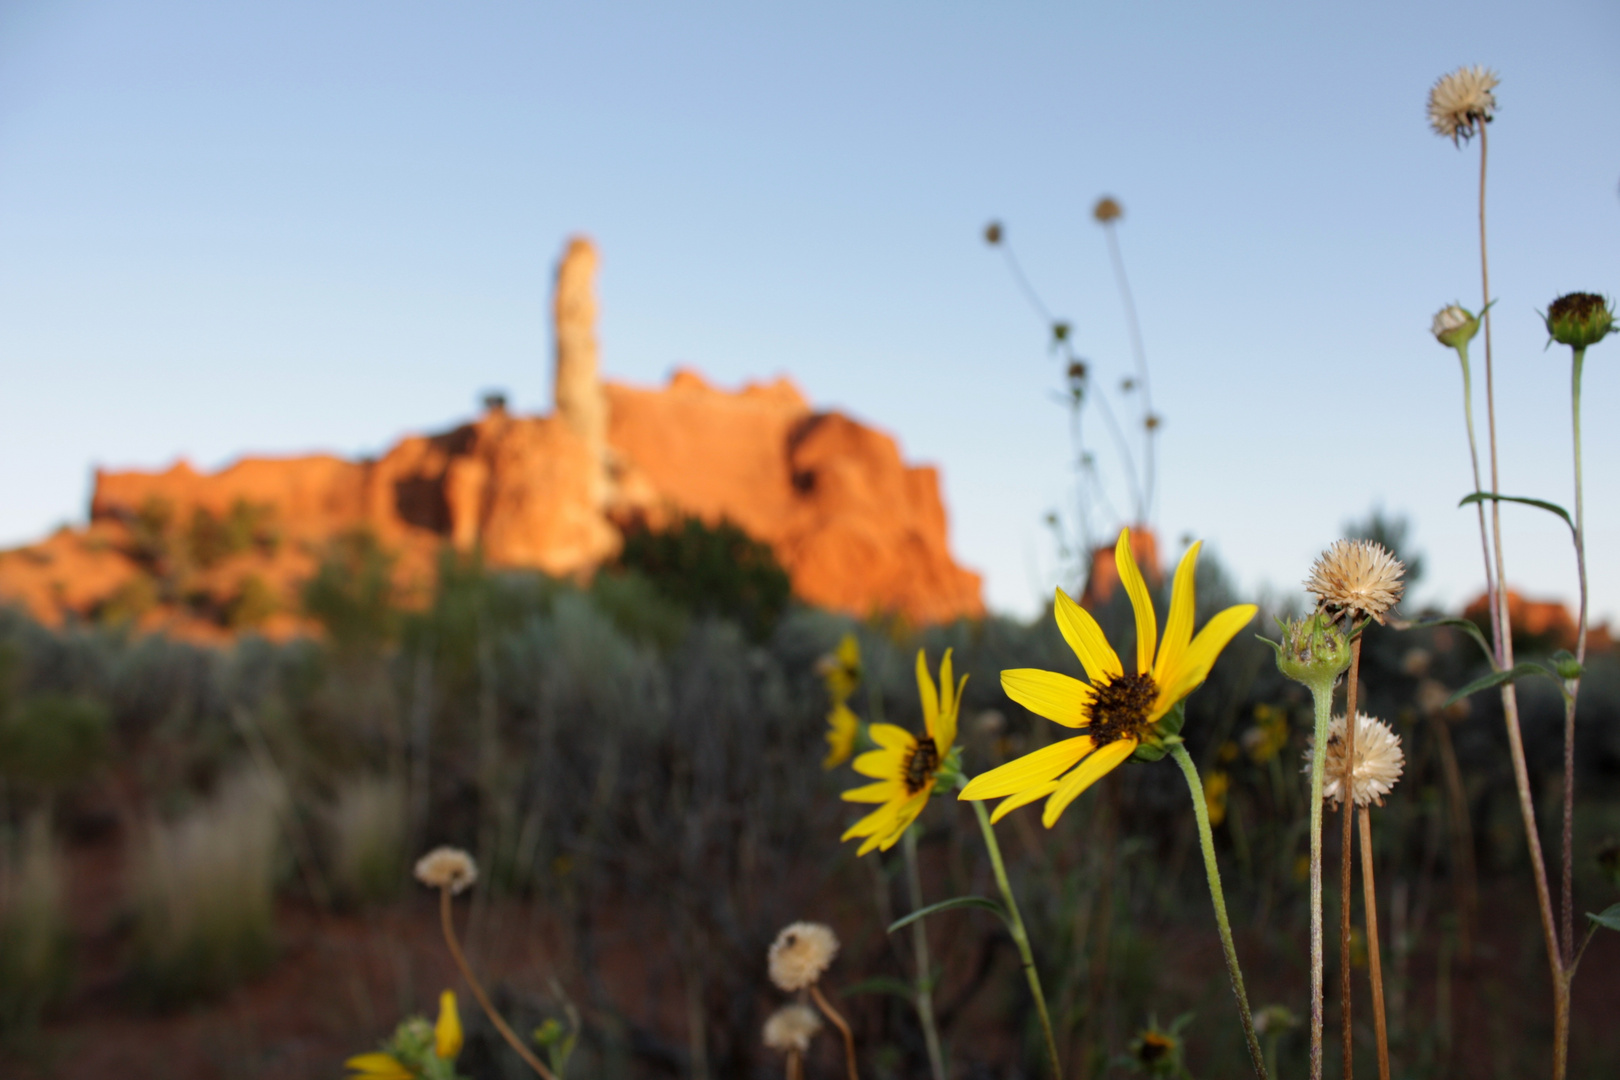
pixel 408 1061
pixel 906 766
pixel 1116 712
pixel 841 671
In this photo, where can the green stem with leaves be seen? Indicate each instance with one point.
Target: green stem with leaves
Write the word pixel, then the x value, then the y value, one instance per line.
pixel 1015 924
pixel 924 996
pixel 1217 896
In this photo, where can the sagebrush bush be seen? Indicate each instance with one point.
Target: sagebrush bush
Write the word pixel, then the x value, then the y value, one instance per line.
pixel 367 828
pixel 203 889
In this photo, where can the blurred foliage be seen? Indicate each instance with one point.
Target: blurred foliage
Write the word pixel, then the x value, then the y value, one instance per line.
pixel 716 570
pixel 35 947
pixel 352 594
pixel 51 740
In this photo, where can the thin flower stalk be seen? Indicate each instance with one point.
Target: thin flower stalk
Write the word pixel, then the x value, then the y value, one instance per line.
pixel 1020 936
pixel 448 924
pixel 1346 996
pixel 1323 701
pixel 1573 686
pixel 919 947
pixel 842 1025
pixel 1217 896
pixel 1375 963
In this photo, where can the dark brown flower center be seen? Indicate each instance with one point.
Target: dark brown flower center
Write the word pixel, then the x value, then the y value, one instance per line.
pixel 1120 709
pixel 922 761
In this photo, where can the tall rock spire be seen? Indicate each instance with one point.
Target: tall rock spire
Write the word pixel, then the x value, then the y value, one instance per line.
pixel 581 402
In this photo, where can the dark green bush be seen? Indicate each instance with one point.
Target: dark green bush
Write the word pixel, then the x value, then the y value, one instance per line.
pixel 352 595
pixel 51 740
pixel 716 570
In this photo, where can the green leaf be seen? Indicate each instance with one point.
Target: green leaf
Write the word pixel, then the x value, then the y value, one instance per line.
pixel 1497 678
pixel 945 905
pixel 1609 917
pixel 1542 504
pixel 881 984
pixel 1468 626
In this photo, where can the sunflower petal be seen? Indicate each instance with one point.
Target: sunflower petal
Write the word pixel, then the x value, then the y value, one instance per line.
pixel 1030 770
pixel 880 764
pixel 882 791
pixel 874 824
pixel 1023 798
pixel 1060 698
pixel 1086 638
pixel 1200 656
pixel 929 694
pixel 949 719
pixel 447 1032
pixel 890 736
pixel 904 815
pixel 947 687
pixel 1147 624
pixel 1094 768
pixel 379 1066
pixel 1178 627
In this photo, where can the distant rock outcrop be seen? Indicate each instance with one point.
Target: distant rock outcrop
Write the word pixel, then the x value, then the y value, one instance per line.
pixel 857 529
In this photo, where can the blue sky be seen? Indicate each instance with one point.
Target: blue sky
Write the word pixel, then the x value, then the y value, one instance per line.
pixel 277 228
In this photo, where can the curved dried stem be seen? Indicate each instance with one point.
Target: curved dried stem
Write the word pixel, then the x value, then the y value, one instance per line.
pixel 841 1024
pixel 478 990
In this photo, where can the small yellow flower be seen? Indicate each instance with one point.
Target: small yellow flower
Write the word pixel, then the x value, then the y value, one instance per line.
pixel 1115 711
pixel 407 1050
pixel 842 728
pixel 1269 736
pixel 904 765
pixel 841 671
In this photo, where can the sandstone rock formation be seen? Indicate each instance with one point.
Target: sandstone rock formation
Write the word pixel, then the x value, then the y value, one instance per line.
pixel 857 529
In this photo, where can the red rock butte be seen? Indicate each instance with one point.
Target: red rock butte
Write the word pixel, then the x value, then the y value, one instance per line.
pixel 858 529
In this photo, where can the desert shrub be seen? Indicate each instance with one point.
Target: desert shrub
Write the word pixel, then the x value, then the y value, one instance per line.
pixel 639 608
pixel 367 830
pixel 203 888
pixel 52 739
pixel 352 594
pixel 253 603
pixel 716 570
pixel 35 947
pixel 212 538
pixel 127 603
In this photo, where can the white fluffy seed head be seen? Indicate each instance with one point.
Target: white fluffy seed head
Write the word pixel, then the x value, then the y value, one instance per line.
pixel 1379 761
pixel 1462 100
pixel 1356 578
pixel 800 953
pixel 447 867
pixel 791 1028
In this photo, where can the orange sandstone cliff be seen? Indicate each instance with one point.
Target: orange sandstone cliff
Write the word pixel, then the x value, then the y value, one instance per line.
pixel 857 528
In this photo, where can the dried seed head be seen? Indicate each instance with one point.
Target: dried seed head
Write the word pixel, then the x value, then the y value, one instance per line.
pixel 791 1028
pixel 1107 210
pixel 1462 100
pixel 1379 761
pixel 800 953
pixel 446 867
pixel 1356 578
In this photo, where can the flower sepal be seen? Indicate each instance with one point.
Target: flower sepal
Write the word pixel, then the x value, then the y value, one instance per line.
pixel 1163 735
pixel 1578 320
pixel 1313 651
pixel 949 776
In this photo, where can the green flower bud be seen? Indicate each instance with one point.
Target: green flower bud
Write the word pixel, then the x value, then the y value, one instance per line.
pixel 1313 651
pixel 1579 319
pixel 1566 665
pixel 1455 326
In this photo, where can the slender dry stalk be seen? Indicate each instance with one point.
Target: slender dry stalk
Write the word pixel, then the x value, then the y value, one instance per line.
pixel 795 1065
pixel 1375 963
pixel 1504 658
pixel 1346 794
pixel 919 950
pixel 478 990
pixel 841 1024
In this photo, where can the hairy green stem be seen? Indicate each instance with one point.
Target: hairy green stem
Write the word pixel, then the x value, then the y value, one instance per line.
pixel 919 949
pixel 1473 457
pixel 1322 695
pixel 1015 923
pixel 1217 896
